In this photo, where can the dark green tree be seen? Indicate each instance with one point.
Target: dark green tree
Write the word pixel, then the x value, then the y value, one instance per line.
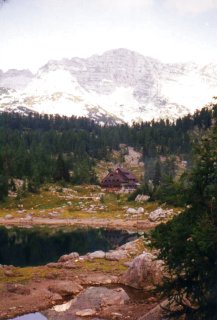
pixel 3 187
pixel 61 171
pixel 188 243
pixel 157 173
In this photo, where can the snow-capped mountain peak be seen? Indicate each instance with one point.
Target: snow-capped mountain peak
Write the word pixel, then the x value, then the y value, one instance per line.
pixel 117 86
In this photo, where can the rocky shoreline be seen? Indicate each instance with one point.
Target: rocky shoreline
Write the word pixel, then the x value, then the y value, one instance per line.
pixel 73 278
pixel 115 224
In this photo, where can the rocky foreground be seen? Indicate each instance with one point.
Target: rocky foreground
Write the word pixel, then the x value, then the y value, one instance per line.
pixel 107 285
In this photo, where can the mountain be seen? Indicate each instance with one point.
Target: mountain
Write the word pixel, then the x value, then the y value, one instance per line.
pixel 15 79
pixel 117 86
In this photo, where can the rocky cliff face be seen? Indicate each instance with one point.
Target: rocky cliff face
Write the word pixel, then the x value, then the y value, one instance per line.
pixel 15 79
pixel 118 86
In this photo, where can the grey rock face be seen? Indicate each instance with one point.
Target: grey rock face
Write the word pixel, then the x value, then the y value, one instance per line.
pixel 119 85
pixel 15 79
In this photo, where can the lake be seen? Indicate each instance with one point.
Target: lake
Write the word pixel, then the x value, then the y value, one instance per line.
pixel 40 245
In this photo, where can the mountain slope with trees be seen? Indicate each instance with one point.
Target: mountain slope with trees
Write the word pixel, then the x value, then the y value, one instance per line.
pixel 41 148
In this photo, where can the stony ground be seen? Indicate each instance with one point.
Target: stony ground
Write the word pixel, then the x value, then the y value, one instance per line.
pixel 24 290
pixel 77 205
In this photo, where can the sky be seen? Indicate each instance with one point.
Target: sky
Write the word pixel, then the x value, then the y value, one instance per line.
pixel 35 31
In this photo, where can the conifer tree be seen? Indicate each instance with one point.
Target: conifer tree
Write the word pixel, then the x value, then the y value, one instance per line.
pixel 188 243
pixel 61 170
pixel 157 173
pixel 3 187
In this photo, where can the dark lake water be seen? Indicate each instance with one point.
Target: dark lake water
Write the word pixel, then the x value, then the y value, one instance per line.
pixel 40 245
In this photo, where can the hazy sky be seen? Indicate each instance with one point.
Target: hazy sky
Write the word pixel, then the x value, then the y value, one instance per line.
pixel 35 31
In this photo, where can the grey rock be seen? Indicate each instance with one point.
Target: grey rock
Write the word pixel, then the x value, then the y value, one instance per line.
pixel 116 255
pixel 135 211
pixel 130 76
pixel 130 246
pixel 66 257
pixel 88 302
pixel 140 210
pixel 142 198
pixel 96 255
pixel 98 297
pixel 144 272
pixel 119 297
pixel 159 214
pixel 131 211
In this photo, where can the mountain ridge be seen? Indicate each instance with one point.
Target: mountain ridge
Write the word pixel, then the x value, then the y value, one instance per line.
pixel 118 86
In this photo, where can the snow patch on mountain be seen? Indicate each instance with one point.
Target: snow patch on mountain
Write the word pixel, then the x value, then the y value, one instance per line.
pixel 52 82
pixel 118 86
pixel 120 102
pixel 190 90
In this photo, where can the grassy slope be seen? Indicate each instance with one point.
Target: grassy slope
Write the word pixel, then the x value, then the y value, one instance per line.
pixel 72 202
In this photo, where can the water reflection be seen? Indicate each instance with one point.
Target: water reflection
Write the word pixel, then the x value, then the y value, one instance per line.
pixel 38 246
pixel 31 316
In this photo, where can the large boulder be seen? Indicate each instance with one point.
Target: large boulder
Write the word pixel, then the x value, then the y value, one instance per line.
pixel 96 297
pixel 89 302
pixel 117 297
pixel 144 272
